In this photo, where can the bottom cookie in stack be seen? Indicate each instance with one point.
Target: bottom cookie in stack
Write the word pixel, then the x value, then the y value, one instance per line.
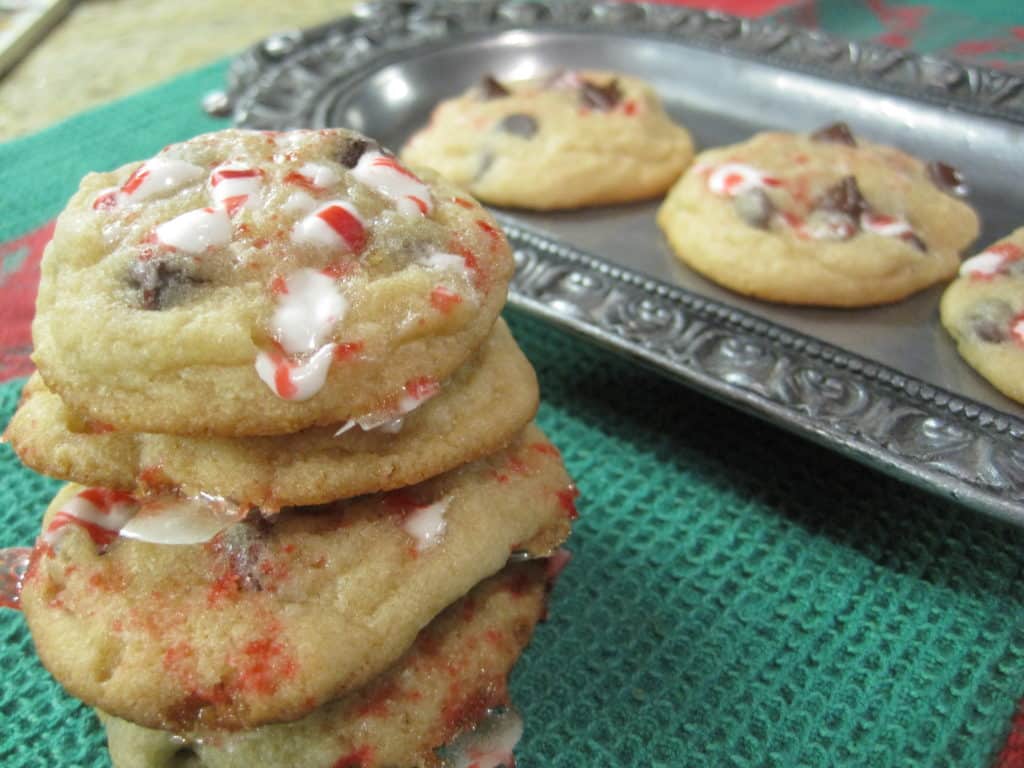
pixel 297 617
pixel 454 675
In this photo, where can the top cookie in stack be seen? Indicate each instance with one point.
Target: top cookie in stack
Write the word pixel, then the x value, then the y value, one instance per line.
pixel 286 280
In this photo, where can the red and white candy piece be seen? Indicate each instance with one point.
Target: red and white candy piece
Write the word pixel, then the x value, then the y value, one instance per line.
pixel 336 224
pixel 99 512
pixel 105 514
pixel 447 262
pixel 886 226
pixel 235 185
pixel 991 262
pixel 315 176
pixel 732 179
pixel 389 177
pixel 427 524
pixel 295 380
pixel 309 306
pixel 196 231
pixel 154 178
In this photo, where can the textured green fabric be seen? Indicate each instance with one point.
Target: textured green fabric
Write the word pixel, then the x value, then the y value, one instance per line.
pixel 737 597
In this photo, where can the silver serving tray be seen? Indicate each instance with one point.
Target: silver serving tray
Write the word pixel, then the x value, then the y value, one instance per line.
pixel 882 385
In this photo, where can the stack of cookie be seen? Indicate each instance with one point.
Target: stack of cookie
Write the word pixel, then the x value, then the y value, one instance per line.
pixel 310 522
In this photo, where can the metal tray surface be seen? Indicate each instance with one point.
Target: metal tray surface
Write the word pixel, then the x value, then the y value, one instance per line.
pixel 884 385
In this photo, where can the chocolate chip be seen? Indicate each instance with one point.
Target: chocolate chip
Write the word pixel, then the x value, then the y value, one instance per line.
pixel 492 89
pixel 352 151
pixel 519 124
pixel 947 178
pixel 989 320
pixel 754 207
pixel 843 197
pixel 603 98
pixel 836 133
pixel 485 163
pixel 162 285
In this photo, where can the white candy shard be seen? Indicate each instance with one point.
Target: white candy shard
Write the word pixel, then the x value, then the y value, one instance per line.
pixel 196 231
pixel 886 226
pixel 307 311
pixel 235 180
pixel 427 524
pixel 335 224
pixel 985 264
pixel 733 179
pixel 180 521
pixel 159 176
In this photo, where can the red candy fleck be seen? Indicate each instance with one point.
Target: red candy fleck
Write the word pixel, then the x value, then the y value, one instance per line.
pixel 278 285
pixel 338 270
pixel 264 662
pixel 463 202
pixel 631 107
pixel 233 173
pixel 98 427
pixel 443 300
pixel 424 208
pixel 283 383
pixel 546 448
pixel 346 350
pixel 234 203
pixel 301 180
pixel 422 387
pixel 357 758
pixel 771 181
pixel 348 227
pixel 105 202
pixel 567 499
pixel 135 180
pixel 491 231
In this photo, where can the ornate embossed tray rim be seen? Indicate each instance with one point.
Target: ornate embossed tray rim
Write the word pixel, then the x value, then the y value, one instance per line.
pixel 964 450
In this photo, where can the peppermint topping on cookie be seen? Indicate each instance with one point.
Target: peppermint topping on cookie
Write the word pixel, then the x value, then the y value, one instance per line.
pixel 993 261
pixel 99 512
pixel 235 185
pixel 291 379
pixel 886 226
pixel 427 524
pixel 309 305
pixel 389 177
pixel 154 178
pixel 196 231
pixel 167 519
pixel 336 224
pixel 732 179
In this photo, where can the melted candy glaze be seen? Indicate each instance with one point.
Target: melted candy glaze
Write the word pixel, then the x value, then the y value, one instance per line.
pixel 14 563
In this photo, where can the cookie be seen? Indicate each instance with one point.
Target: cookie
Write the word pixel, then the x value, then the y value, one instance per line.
pixel 245 623
pixel 248 283
pixel 395 446
pixel 454 673
pixel 983 310
pixel 822 219
pixel 573 139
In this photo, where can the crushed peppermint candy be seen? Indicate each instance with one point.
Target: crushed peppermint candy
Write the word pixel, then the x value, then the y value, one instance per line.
pixel 291 379
pixel 731 179
pixel 992 261
pixel 391 419
pixel 427 524
pixel 385 174
pixel 154 178
pixel 335 224
pixel 234 185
